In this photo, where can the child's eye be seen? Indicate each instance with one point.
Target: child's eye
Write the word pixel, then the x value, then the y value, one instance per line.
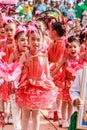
pixel 33 39
pixel 1 27
pixel 70 47
pixel 38 39
pixel 8 30
pixel 22 40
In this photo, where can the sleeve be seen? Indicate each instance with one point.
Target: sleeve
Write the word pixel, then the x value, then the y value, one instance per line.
pixel 75 87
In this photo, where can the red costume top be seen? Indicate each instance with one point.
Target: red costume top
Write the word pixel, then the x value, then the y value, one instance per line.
pixel 56 51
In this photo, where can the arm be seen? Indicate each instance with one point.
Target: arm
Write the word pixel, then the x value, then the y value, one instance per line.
pixel 75 90
pixel 58 67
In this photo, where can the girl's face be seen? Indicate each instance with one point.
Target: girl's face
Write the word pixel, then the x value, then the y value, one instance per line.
pixel 73 49
pixel 58 3
pixel 2 31
pixel 35 41
pixel 69 6
pixel 41 1
pixel 42 26
pixel 30 3
pixel 10 30
pixel 22 42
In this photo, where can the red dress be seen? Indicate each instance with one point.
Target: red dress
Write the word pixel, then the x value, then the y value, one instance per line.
pixel 36 90
pixel 70 72
pixel 56 53
pixel 7 48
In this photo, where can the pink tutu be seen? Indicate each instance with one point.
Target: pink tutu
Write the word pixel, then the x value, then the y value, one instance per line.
pixel 9 73
pixel 36 97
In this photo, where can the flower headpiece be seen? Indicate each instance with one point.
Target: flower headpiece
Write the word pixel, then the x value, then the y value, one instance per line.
pixel 19 29
pixel 32 27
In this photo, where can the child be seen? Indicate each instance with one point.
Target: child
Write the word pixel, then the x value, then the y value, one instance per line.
pixel 36 91
pixel 40 6
pixel 83 40
pixel 55 54
pixel 8 44
pixel 7 47
pixel 71 67
pixel 21 41
pixel 28 10
pixel 69 12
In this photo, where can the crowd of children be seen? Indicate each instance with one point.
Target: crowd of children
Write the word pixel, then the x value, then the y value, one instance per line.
pixel 40 55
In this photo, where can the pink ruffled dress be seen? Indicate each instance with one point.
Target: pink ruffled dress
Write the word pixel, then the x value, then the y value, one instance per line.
pixel 36 89
pixel 70 72
pixel 8 74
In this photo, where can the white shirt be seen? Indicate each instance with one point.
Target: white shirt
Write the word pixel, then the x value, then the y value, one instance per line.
pixel 75 86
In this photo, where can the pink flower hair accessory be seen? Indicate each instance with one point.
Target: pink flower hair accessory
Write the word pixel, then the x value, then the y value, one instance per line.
pixel 32 27
pixel 19 29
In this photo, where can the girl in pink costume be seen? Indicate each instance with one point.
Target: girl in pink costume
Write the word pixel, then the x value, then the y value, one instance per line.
pixel 36 91
pixel 8 44
pixel 70 69
pixel 2 32
pixel 83 40
pixel 21 41
pixel 9 73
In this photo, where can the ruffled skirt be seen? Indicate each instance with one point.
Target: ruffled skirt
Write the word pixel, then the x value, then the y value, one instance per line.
pixel 36 97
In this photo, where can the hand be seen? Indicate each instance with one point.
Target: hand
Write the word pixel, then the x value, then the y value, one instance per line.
pixel 78 103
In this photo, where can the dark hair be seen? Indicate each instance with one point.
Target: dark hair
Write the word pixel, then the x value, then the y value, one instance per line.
pixel 43 21
pixel 73 39
pixel 18 35
pixel 37 29
pixel 58 28
pixel 83 36
pixel 9 21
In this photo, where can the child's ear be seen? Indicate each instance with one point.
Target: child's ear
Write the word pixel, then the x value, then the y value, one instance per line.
pixel 55 32
pixel 16 41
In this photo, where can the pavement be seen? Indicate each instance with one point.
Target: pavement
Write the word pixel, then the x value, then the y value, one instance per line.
pixel 44 124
